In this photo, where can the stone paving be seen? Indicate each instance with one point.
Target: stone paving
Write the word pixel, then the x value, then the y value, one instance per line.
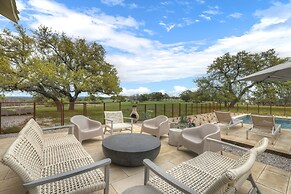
pixel 269 179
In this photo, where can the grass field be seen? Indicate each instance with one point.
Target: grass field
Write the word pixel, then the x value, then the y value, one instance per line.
pixel 48 112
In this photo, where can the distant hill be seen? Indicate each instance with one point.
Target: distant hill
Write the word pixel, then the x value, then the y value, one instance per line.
pixel 16 99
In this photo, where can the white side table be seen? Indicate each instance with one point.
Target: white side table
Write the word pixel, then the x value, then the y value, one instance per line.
pixel 174 134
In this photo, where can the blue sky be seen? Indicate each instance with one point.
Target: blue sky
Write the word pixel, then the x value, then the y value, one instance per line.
pixel 164 45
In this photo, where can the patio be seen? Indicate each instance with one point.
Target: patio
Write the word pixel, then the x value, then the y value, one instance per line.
pixel 269 178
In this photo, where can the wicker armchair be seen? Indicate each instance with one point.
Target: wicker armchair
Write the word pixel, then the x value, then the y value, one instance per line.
pixel 114 120
pixel 157 126
pixel 264 125
pixel 85 128
pixel 194 138
pixel 207 173
pixel 57 164
pixel 226 121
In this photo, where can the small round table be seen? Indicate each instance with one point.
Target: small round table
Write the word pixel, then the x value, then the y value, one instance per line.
pixel 131 149
pixel 174 135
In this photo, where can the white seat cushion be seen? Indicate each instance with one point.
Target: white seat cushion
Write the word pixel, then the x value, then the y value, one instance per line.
pixel 118 126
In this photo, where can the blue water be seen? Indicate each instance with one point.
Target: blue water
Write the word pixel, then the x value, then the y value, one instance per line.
pixel 285 123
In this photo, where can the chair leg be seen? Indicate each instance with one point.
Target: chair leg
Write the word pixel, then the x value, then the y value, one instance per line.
pixel 255 188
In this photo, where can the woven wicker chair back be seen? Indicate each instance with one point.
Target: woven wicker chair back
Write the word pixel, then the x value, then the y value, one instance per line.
pixel 24 158
pixel 116 116
pixel 33 129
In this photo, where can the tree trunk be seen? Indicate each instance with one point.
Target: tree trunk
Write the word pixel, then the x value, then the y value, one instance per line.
pixel 232 103
pixel 72 104
pixel 58 105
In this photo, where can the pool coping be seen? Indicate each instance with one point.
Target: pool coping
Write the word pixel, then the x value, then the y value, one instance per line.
pixel 250 146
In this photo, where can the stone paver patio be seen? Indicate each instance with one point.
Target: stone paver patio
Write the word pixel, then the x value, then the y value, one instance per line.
pixel 269 179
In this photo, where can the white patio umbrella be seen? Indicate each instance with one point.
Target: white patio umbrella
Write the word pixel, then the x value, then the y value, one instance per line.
pixel 281 72
pixel 9 10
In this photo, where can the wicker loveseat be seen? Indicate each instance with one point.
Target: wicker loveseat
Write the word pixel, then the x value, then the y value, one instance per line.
pixel 208 173
pixel 57 164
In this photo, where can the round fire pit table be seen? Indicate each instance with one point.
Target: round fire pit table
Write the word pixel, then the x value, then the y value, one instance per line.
pixel 131 149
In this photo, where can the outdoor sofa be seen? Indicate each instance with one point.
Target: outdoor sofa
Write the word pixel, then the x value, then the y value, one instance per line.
pixel 209 173
pixel 56 164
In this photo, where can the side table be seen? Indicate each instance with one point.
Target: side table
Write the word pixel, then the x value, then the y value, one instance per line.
pixel 174 134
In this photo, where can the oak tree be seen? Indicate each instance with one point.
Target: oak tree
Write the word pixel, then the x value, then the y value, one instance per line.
pixel 54 65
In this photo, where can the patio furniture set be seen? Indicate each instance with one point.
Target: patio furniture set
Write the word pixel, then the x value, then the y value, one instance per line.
pixel 60 164
pixel 263 125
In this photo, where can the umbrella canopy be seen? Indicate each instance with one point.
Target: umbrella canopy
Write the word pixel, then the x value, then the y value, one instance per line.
pixel 9 10
pixel 281 72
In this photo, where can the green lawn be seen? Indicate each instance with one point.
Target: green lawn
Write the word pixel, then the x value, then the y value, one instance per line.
pixel 48 112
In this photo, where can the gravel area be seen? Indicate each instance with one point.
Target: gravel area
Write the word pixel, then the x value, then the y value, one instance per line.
pixel 11 121
pixel 266 158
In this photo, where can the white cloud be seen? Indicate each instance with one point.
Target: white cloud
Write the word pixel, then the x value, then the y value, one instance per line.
pixel 130 92
pixel 163 91
pixel 200 1
pixel 112 2
pixel 168 27
pixel 212 11
pixel 235 15
pixel 144 60
pixel 205 17
pixel 179 89
pixel 150 32
pixel 132 6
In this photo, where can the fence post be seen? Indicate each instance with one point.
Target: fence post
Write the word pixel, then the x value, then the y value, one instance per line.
pixel 63 114
pixel 197 108
pixel 172 110
pixel 34 110
pixel 155 110
pixel 85 109
pixel 164 109
pixel 145 111
pixel 258 108
pixel 119 105
pixel 270 109
pixel 0 117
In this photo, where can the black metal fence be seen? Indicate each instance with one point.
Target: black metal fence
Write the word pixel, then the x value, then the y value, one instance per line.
pixel 15 114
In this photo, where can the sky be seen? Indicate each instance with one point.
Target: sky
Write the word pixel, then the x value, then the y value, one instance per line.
pixel 162 46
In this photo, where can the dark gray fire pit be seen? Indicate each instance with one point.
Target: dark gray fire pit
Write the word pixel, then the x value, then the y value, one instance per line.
pixel 131 149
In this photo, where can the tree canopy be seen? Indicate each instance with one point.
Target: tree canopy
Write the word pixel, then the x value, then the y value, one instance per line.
pixel 222 81
pixel 54 65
